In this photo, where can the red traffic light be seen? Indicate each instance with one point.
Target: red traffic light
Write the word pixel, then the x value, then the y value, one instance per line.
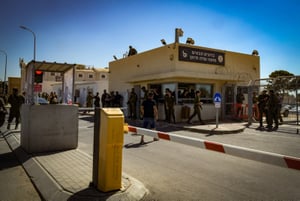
pixel 38 72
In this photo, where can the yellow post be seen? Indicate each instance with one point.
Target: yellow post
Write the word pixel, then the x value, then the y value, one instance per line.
pixel 110 153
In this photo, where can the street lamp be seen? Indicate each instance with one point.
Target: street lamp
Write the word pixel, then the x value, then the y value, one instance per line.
pixel 4 92
pixel 34 38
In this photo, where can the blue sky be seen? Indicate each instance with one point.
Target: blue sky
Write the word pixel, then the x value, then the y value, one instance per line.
pixel 90 32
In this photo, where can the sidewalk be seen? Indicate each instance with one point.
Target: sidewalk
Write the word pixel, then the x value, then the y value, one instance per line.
pixel 67 175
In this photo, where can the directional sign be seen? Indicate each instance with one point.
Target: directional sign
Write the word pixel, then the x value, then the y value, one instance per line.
pixel 217 98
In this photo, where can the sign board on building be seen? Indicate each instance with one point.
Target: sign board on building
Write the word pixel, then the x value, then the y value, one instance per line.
pixel 201 56
pixel 37 88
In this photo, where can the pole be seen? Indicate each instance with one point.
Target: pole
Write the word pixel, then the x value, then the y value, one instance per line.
pixel 34 40
pixel 5 68
pixel 34 57
pixel 217 118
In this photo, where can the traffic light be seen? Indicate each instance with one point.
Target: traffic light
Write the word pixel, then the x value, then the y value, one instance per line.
pixel 38 76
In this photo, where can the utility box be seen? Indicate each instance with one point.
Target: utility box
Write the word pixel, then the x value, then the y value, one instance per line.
pixel 110 149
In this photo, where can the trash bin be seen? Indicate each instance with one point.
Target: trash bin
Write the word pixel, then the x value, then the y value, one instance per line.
pixel 110 151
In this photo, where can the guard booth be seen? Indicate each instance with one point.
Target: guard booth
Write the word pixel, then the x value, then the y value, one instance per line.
pixel 48 127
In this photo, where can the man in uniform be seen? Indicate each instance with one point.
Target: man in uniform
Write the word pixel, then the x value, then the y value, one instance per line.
pixel 197 108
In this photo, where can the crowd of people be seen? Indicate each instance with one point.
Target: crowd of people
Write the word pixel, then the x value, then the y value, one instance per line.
pixel 112 99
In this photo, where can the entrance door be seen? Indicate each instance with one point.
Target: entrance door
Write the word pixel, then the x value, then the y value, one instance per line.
pixel 228 101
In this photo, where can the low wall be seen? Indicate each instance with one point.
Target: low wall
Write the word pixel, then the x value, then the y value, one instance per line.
pixel 49 127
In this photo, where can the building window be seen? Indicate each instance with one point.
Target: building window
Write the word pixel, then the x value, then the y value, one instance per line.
pixel 91 76
pixel 52 73
pixel 103 76
pixel 186 92
pixel 80 75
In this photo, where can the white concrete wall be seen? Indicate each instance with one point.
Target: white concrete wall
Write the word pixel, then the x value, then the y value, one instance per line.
pixel 49 127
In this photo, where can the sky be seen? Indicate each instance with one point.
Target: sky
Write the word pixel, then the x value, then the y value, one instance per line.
pixel 90 32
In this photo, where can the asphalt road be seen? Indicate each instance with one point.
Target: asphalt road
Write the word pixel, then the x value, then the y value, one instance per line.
pixel 173 171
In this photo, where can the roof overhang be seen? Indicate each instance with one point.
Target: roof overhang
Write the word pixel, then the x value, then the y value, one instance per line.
pixel 51 66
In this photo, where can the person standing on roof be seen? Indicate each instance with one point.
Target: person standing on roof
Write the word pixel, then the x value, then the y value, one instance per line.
pixel 132 51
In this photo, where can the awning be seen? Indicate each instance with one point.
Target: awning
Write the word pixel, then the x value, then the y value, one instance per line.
pixel 51 66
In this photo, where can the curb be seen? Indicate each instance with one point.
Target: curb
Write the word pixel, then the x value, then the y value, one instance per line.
pixel 252 154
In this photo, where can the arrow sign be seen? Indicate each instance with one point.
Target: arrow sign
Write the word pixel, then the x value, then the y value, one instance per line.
pixel 217 98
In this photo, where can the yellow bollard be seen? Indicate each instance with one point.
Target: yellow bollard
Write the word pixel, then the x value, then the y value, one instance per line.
pixel 110 153
pixel 126 128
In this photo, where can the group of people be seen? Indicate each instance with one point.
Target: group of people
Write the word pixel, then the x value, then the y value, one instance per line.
pixel 112 99
pixel 52 97
pixel 269 105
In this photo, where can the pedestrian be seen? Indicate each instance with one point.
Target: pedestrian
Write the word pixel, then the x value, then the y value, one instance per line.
pixel 132 101
pixel 104 98
pixel 170 103
pixel 15 100
pixel 262 107
pixel 118 100
pixel 239 104
pixel 3 111
pixel 255 112
pixel 280 100
pixel 197 108
pixel 97 100
pixel 272 105
pixel 149 113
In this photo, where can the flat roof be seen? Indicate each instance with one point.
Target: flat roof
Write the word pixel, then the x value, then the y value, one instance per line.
pixel 51 66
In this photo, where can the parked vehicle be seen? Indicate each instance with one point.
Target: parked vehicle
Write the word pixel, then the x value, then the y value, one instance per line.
pixel 285 110
pixel 42 101
pixel 295 110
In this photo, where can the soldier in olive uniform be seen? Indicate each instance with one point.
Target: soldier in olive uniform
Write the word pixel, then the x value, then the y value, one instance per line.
pixel 170 103
pixel 197 108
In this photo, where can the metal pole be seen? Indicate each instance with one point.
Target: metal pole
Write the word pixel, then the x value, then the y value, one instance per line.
pixel 34 57
pixel 34 40
pixel 5 68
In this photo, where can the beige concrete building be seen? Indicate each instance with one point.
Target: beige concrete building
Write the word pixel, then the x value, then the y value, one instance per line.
pixel 181 67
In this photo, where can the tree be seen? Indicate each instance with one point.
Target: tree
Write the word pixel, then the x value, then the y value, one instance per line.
pixel 280 80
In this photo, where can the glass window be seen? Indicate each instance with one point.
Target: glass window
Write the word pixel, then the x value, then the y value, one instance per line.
pixel 91 75
pixel 80 75
pixel 206 92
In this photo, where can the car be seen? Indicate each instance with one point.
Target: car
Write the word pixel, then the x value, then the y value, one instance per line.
pixel 295 110
pixel 42 101
pixel 285 110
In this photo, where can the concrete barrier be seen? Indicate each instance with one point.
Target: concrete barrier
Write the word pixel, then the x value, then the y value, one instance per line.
pixel 49 127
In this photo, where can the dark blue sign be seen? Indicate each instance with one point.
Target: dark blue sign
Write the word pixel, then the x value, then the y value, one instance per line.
pixel 217 97
pixel 201 56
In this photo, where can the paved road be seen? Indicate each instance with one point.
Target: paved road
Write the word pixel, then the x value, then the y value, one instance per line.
pixel 173 171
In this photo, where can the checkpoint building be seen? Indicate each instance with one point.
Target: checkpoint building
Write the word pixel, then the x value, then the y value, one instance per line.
pixel 185 68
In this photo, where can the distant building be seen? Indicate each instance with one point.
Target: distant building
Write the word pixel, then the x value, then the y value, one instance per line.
pixel 87 79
